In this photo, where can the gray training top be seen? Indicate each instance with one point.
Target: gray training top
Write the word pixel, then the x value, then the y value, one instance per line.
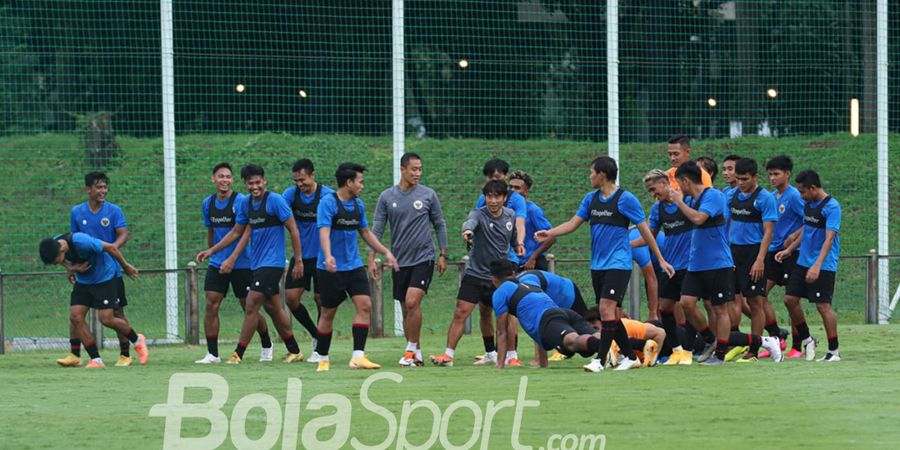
pixel 491 241
pixel 409 214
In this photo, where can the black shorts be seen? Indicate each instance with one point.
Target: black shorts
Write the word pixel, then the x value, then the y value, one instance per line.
pixel 336 286
pixel 540 263
pixel 239 279
pixel 98 296
pixel 310 276
pixel 670 288
pixel 475 290
pixel 556 323
pixel 417 276
pixel 266 280
pixel 820 291
pixel 610 284
pixel 780 272
pixel 716 285
pixel 744 257
pixel 578 305
pixel 120 285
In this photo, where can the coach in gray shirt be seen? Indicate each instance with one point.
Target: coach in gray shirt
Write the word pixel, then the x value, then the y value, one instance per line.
pixel 491 230
pixel 409 207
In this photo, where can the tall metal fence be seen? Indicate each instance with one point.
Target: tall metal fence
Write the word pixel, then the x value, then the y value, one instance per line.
pixel 156 93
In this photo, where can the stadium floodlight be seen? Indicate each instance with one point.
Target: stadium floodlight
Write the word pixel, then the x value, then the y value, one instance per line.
pixel 772 93
pixel 302 94
pixel 712 102
pixel 463 64
pixel 854 117
pixel 240 88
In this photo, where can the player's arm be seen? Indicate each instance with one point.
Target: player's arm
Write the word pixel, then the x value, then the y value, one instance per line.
pixel 696 217
pixel 791 238
pixel 378 226
pixel 502 332
pixel 542 223
pixel 651 242
pixel 440 228
pixel 469 226
pixel 376 245
pixel 652 290
pixel 234 234
pixel 325 245
pixel 291 225
pixel 115 253
pixel 121 237
pixel 559 230
pixel 759 265
pixel 209 237
pixel 791 246
pixel 520 232
pixel 228 264
pixel 813 273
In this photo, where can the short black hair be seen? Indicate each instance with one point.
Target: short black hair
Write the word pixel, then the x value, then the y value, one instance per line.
pixel 222 165
pixel 522 175
pixel 606 166
pixel 808 178
pixel 303 165
pixel 502 268
pixel 49 250
pixel 691 171
pixel 591 314
pixel 780 162
pixel 407 157
pixel 94 177
pixel 709 165
pixel 347 171
pixel 680 139
pixel 495 187
pixel 745 166
pixel 731 157
pixel 495 165
pixel 252 170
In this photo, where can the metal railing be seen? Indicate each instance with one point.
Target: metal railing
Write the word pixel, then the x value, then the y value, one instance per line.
pixel 874 312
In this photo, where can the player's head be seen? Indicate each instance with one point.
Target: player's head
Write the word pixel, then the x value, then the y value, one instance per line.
pixel 97 186
pixel 51 251
pixel 304 174
pixel 745 171
pixel 495 192
pixel 709 165
pixel 728 168
pixel 592 316
pixel 502 270
pixel 521 182
pixel 688 175
pixel 809 185
pixel 350 176
pixel 657 183
pixel 411 168
pixel 254 179
pixel 222 176
pixel 603 170
pixel 679 149
pixel 495 169
pixel 780 169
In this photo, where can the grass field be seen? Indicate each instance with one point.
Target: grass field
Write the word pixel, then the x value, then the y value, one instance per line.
pixel 49 169
pixel 798 404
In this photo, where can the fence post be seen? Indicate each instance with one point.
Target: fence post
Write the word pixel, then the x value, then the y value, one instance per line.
pixel 872 287
pixel 187 304
pixel 634 293
pixel 2 335
pixel 96 328
pixel 461 266
pixel 376 320
pixel 551 263
pixel 192 305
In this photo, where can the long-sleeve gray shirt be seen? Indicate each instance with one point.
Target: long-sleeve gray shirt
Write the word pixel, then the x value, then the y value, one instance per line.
pixel 491 241
pixel 409 214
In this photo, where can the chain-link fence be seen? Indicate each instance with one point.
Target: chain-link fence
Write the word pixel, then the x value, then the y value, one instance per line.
pixel 459 82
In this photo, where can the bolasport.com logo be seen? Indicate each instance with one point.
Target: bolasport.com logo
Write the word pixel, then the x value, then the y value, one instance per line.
pixel 472 423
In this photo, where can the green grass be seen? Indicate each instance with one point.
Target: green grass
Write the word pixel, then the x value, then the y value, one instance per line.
pixel 798 404
pixel 48 170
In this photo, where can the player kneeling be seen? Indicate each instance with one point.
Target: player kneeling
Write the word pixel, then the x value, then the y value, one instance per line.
pixel 549 325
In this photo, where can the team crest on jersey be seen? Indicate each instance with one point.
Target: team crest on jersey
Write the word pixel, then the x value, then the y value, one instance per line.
pixel 509 226
pixel 418 204
pixel 104 221
pixel 781 208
